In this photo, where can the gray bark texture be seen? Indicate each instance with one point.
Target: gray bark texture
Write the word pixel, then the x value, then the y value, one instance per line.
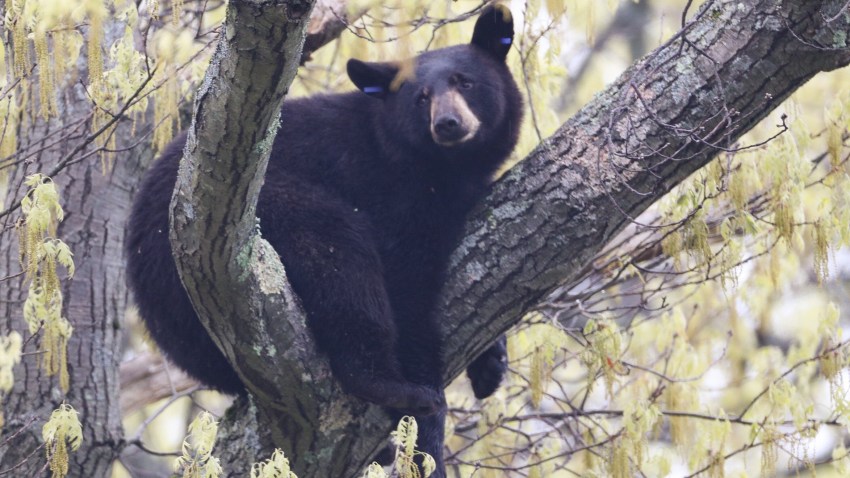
pixel 95 300
pixel 96 205
pixel 666 117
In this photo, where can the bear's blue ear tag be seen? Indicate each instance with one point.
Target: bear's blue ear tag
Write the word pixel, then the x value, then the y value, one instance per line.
pixel 506 40
pixel 373 90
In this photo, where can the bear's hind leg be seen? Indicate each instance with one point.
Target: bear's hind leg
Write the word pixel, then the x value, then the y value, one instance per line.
pixel 329 253
pixel 430 440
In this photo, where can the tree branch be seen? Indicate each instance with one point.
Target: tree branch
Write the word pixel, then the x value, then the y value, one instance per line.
pixel 234 278
pixel 663 119
pixel 147 378
pixel 327 22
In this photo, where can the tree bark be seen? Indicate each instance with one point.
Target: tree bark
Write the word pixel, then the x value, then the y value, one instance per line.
pixel 667 116
pixel 96 206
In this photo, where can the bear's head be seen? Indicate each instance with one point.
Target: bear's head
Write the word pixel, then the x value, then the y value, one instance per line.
pixel 459 102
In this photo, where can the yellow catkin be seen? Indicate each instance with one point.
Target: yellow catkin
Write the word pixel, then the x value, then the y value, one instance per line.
pixel 680 429
pixel 555 7
pixel 603 352
pixel 831 363
pixel 107 156
pixel 176 10
pixel 4 73
pixel 8 126
pixel 537 379
pixel 821 251
pixel 590 458
pixel 57 331
pixel 46 85
pixel 33 238
pixel 95 51
pixel 166 114
pixel 784 219
pixel 696 241
pixel 59 459
pixel 50 278
pixel 10 356
pixel 591 22
pixel 21 60
pixel 672 246
pixel 834 145
pixel 60 55
pixel 65 39
pixel 775 265
pixel 738 192
pixel 50 363
pixel 62 429
pixel 154 9
pixel 618 465
pixel 718 465
pixel 769 450
pixel 40 253
pixel 106 139
pixel 25 112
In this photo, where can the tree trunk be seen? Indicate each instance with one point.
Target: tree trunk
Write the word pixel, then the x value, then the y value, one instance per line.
pixel 231 274
pixel 96 203
pixel 95 299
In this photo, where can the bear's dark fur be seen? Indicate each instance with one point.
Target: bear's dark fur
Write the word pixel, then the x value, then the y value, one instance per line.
pixel 364 198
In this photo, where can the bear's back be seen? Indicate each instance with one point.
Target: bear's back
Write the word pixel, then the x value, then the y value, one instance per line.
pixel 318 131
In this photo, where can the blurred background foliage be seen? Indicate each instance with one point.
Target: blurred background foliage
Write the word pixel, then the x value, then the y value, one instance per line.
pixel 707 339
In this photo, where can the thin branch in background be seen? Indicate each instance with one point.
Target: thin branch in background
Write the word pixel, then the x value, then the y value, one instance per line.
pixel 685 13
pixel 362 29
pixel 839 13
pixel 25 460
pixel 153 416
pixel 71 131
pixel 64 162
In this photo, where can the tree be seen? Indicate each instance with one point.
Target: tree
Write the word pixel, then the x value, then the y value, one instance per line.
pixel 539 231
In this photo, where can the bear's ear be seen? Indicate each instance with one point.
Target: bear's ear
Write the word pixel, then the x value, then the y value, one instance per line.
pixel 374 79
pixel 494 31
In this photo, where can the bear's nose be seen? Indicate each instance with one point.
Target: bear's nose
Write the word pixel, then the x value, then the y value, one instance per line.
pixel 448 128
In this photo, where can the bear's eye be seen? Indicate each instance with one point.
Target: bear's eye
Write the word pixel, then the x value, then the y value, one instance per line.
pixel 461 82
pixel 422 99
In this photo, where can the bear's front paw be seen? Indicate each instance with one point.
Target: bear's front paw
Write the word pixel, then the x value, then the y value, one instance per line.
pixel 486 371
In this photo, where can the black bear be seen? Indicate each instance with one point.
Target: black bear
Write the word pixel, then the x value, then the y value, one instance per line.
pixel 364 198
